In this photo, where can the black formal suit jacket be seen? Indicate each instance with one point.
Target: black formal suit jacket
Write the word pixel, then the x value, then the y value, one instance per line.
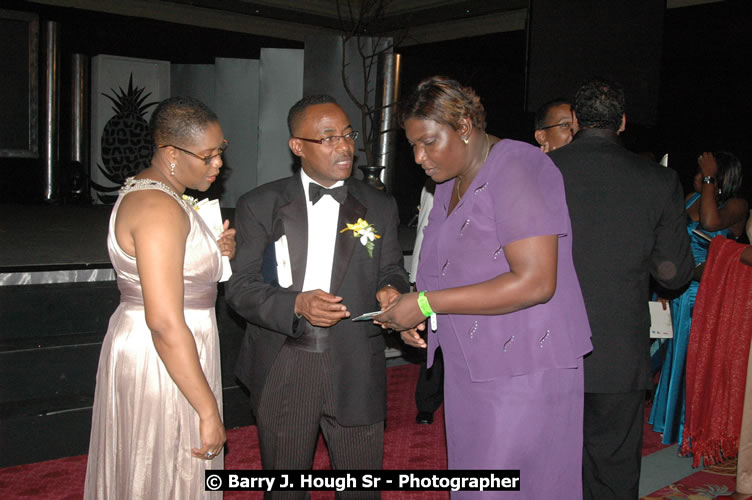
pixel 356 348
pixel 628 223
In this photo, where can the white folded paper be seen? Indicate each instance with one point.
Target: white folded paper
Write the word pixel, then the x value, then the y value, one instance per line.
pixel 284 268
pixel 664 160
pixel 212 216
pixel 660 321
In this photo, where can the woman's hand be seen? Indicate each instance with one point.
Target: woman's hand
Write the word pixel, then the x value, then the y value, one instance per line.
pixel 708 165
pixel 226 241
pixel 402 314
pixel 212 438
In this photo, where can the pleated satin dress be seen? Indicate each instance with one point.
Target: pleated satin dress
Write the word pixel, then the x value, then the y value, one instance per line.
pixel 143 428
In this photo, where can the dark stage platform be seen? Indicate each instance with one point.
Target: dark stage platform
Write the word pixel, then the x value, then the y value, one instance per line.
pixel 51 331
pixel 52 238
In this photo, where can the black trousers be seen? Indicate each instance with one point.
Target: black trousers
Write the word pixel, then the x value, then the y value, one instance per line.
pixel 296 402
pixel 612 445
pixel 429 390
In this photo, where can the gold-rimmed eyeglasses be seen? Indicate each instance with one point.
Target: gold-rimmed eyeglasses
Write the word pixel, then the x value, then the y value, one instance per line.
pixel 331 139
pixel 207 159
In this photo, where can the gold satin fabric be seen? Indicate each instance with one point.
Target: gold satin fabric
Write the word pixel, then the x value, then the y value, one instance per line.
pixel 143 428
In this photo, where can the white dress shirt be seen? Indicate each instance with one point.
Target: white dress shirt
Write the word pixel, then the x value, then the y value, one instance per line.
pixel 322 235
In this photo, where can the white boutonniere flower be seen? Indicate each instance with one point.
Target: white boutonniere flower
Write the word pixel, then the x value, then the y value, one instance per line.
pixel 366 232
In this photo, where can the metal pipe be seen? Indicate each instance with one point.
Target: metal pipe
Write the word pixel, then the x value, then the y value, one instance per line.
pixel 387 80
pixel 79 138
pixel 51 111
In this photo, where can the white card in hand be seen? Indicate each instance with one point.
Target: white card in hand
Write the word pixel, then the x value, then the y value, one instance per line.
pixel 209 211
pixel 367 316
pixel 660 321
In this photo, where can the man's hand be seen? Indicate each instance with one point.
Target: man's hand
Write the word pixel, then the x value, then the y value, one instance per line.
pixel 320 308
pixel 412 336
pixel 386 296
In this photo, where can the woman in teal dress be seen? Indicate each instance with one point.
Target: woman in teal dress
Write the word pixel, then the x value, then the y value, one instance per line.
pixel 715 208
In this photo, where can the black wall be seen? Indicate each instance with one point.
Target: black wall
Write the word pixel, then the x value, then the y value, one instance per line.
pixel 703 102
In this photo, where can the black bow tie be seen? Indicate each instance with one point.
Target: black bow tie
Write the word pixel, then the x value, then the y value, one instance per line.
pixel 315 192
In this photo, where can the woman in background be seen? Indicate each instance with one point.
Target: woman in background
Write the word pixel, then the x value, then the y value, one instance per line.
pixel 157 416
pixel 714 208
pixel 496 267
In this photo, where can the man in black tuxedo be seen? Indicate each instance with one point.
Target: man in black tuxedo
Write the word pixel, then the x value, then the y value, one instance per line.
pixel 306 364
pixel 628 224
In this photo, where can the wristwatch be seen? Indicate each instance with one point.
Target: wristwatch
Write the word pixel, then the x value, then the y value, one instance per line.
pixel 708 180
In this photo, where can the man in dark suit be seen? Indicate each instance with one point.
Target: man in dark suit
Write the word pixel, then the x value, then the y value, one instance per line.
pixel 628 224
pixel 308 366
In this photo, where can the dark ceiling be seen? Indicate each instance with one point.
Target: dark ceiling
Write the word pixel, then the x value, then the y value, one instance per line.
pixel 384 16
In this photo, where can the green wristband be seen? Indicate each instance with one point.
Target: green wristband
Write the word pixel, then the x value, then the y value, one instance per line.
pixel 425 307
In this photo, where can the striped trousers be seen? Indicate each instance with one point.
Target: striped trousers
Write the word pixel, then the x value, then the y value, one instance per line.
pixel 296 402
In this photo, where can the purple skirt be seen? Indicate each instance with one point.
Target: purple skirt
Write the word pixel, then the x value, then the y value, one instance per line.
pixel 530 422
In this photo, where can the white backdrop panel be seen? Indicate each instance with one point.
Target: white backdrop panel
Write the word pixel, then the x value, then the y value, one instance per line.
pixel 129 147
pixel 281 82
pixel 236 97
pixel 194 80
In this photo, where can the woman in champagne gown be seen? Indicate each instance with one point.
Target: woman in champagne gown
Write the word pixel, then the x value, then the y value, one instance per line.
pixel 156 424
pixel 714 208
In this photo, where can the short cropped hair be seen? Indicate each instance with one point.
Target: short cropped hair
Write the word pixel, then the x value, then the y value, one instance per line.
pixel 180 120
pixel 297 109
pixel 541 115
pixel 443 100
pixel 599 103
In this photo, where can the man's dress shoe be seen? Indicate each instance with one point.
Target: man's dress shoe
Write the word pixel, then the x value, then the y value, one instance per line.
pixel 424 417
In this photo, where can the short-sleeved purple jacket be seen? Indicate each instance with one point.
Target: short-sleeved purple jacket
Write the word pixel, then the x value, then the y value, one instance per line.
pixel 517 194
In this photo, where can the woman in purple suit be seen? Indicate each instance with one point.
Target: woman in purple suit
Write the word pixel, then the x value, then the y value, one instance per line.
pixel 496 270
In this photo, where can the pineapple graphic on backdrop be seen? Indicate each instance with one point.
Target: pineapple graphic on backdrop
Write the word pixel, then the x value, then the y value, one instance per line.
pixel 126 140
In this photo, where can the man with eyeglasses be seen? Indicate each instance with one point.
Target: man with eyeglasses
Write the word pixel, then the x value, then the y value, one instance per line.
pixel 555 125
pixel 333 242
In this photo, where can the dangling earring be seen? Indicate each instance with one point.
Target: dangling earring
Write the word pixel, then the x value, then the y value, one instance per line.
pixel 466 140
pixel 172 169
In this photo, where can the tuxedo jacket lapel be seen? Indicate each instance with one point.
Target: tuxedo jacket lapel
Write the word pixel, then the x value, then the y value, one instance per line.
pixel 349 213
pixel 294 217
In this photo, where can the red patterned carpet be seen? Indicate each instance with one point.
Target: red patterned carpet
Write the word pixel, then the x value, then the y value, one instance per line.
pixel 706 484
pixel 407 445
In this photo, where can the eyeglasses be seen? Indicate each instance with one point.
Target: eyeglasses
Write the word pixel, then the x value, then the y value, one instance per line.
pixel 564 125
pixel 331 140
pixel 207 159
